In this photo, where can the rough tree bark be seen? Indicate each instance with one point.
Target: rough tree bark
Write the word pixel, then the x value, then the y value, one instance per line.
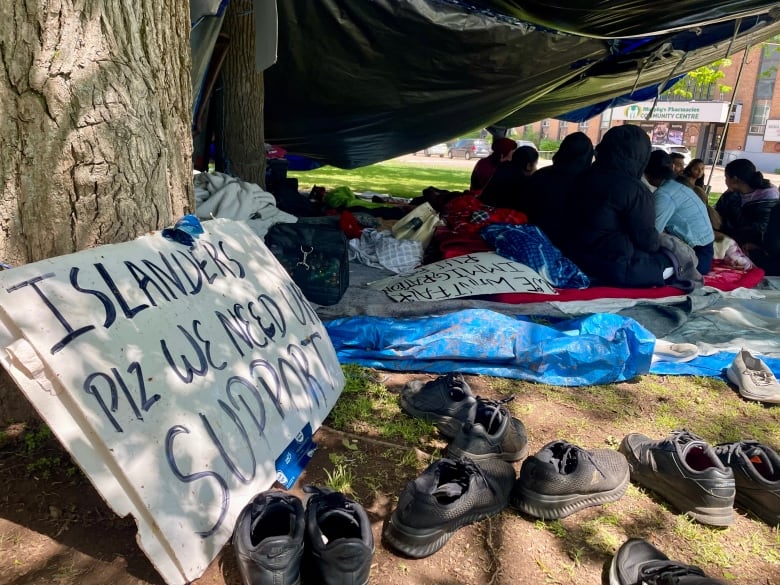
pixel 95 143
pixel 244 134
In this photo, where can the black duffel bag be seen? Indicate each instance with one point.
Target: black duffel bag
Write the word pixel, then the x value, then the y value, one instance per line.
pixel 315 256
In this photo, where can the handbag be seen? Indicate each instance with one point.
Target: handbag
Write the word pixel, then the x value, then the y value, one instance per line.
pixel 315 256
pixel 418 225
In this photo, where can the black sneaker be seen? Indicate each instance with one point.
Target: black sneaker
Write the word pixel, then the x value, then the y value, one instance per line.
pixel 683 469
pixel 563 478
pixel 445 401
pixel 490 432
pixel 448 495
pixel 268 539
pixel 638 562
pixel 339 541
pixel 756 470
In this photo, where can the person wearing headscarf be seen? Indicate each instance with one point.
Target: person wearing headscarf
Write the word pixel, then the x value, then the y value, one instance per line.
pixel 547 189
pixel 749 214
pixel 611 217
pixel 502 151
pixel 507 184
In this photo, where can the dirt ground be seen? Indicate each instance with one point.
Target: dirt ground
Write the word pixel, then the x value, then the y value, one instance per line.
pixel 57 530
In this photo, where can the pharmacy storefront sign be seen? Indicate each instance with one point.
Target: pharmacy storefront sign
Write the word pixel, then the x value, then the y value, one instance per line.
pixel 673 112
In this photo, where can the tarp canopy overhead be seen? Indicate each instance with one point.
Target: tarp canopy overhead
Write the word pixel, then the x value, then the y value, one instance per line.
pixel 626 18
pixel 360 82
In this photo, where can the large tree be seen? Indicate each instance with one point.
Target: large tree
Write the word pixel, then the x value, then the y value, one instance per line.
pixel 95 140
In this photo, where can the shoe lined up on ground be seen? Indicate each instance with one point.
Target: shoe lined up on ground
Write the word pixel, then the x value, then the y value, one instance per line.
pixel 339 541
pixel 637 562
pixel 490 431
pixel 448 495
pixel 445 401
pixel 563 478
pixel 268 539
pixel 684 470
pixel 753 378
pixel 756 470
pixel 331 539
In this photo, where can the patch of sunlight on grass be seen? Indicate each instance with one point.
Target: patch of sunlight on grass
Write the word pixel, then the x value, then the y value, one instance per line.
pixel 366 406
pixel 397 179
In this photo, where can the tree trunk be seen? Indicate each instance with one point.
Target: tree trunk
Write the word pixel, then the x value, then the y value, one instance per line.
pixel 243 95
pixel 95 128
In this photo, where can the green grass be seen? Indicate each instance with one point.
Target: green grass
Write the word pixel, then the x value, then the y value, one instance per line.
pixel 366 405
pixel 397 179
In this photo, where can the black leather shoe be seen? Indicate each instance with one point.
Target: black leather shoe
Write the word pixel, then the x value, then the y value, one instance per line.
pixel 268 539
pixel 339 541
pixel 757 473
pixel 684 470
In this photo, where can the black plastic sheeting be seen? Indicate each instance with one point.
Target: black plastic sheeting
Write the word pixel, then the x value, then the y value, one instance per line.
pixel 358 82
pixel 625 18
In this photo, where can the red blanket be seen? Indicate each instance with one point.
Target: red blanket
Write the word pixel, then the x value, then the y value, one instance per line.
pixel 721 277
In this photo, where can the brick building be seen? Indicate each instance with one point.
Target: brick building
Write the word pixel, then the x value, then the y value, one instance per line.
pixel 752 128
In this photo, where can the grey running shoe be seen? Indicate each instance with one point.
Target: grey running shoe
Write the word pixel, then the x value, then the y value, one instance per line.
pixel 268 539
pixel 448 495
pixel 683 469
pixel 339 541
pixel 638 562
pixel 562 479
pixel 753 378
pixel 756 470
pixel 445 401
pixel 490 432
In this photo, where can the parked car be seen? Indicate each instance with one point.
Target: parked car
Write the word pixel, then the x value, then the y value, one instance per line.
pixel 679 148
pixel 439 150
pixel 526 143
pixel 469 148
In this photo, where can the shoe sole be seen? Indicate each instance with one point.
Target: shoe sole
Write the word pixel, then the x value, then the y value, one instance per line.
pixel 549 507
pixel 419 543
pixel 734 379
pixel 457 452
pixel 712 516
pixel 614 579
pixel 447 425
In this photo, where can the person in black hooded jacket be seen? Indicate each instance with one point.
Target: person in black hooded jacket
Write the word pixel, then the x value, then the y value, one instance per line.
pixel 611 216
pixel 545 194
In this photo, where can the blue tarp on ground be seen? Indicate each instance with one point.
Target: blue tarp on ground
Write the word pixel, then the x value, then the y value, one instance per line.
pixel 595 349
pixel 711 366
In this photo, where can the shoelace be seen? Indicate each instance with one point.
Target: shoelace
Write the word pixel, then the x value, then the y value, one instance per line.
pixel 685 436
pixel 760 378
pixel 496 406
pixel 667 573
pixel 572 453
pixel 463 470
pixel 730 450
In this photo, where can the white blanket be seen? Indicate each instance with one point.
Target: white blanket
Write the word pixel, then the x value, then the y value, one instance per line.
pixel 220 195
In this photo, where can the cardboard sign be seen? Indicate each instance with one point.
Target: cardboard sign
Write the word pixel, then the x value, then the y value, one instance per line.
pixel 472 274
pixel 174 376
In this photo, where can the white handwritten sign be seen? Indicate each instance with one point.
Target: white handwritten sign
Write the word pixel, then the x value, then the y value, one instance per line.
pixel 174 376
pixel 462 276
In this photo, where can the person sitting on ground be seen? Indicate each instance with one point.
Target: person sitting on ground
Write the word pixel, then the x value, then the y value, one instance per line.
pixel 678 163
pixel 547 189
pixel 510 179
pixel 679 211
pixel 693 177
pixel 502 151
pixel 749 214
pixel 611 216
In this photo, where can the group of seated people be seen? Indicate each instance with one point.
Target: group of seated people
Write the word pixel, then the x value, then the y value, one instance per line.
pixel 606 207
